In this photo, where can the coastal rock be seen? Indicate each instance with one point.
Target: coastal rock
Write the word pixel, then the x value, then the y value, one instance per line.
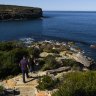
pixel 82 59
pixel 63 53
pixel 93 46
pixel 61 69
pixel 10 83
pixel 45 54
pixel 9 12
pixel 43 93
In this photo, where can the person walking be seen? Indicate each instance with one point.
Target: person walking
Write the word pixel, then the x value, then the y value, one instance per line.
pixel 31 63
pixel 24 67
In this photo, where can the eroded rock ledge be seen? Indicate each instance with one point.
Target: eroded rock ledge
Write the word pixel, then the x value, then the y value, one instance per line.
pixel 10 12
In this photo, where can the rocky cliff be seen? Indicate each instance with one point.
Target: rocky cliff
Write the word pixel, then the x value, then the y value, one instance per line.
pixel 10 12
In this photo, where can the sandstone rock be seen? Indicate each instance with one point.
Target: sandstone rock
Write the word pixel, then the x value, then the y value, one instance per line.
pixel 45 54
pixel 61 69
pixel 43 93
pixel 42 73
pixel 82 59
pixel 10 83
pixel 63 53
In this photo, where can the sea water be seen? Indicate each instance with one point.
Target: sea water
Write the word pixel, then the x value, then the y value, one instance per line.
pixel 56 25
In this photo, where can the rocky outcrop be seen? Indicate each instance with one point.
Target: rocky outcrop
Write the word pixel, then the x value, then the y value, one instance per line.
pixel 45 54
pixel 93 46
pixel 9 12
pixel 61 69
pixel 79 57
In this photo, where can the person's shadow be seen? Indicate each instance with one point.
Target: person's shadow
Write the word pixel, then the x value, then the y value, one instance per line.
pixel 33 78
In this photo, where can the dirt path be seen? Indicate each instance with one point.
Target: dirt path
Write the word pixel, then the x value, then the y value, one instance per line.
pixel 26 89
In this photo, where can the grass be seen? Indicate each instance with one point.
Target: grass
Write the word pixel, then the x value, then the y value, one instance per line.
pixel 78 84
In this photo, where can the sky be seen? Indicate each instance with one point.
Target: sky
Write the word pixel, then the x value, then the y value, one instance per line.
pixel 58 5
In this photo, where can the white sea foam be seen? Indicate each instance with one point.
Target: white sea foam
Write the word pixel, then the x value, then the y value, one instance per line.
pixel 27 40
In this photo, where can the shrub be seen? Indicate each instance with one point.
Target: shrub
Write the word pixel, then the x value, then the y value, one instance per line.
pixel 41 62
pixel 46 82
pixel 9 62
pixel 70 62
pixel 64 48
pixel 7 46
pixel 1 90
pixel 50 63
pixel 17 54
pixel 78 84
pixel 30 50
pixel 34 51
pixel 54 51
pixel 48 48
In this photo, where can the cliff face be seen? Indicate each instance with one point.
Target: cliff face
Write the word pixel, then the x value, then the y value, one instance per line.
pixel 8 12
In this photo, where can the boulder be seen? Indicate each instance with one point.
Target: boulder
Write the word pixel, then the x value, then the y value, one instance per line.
pixel 63 53
pixel 61 69
pixel 45 54
pixel 79 57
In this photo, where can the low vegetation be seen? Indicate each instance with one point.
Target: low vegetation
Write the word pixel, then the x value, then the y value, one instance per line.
pixel 78 84
pixel 1 90
pixel 12 52
pixel 10 56
pixel 50 63
pixel 47 83
pixel 71 84
pixel 72 63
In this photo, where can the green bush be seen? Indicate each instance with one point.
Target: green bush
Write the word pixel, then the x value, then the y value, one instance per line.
pixel 30 50
pixel 48 48
pixel 10 55
pixel 18 53
pixel 7 46
pixel 70 62
pixel 50 63
pixel 34 51
pixel 78 84
pixel 54 51
pixel 41 62
pixel 9 61
pixel 46 82
pixel 64 48
pixel 1 90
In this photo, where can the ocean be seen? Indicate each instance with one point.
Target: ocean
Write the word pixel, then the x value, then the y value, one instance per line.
pixel 79 27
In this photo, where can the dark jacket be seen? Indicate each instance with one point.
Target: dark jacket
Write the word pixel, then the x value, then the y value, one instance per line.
pixel 24 64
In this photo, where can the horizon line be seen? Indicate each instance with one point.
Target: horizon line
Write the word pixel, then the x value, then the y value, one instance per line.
pixel 72 10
